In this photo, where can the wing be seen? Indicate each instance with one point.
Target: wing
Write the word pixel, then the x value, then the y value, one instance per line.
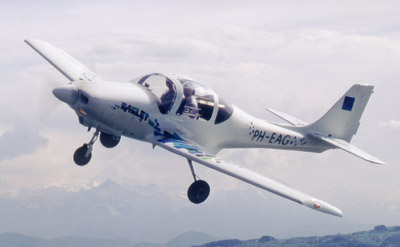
pixel 67 65
pixel 191 152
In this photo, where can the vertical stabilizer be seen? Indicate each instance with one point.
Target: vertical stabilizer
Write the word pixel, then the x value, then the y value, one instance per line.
pixel 343 119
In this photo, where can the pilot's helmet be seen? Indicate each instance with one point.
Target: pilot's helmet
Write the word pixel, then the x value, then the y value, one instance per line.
pixel 188 89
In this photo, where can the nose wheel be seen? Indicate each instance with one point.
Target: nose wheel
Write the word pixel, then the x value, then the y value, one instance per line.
pixel 199 190
pixel 83 154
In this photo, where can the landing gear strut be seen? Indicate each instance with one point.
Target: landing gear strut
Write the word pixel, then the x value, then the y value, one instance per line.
pixel 83 154
pixel 199 189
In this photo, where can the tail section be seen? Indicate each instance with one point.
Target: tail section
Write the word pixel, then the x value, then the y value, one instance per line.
pixel 340 123
pixel 343 119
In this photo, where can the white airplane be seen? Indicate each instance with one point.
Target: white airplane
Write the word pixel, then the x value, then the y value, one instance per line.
pixel 187 118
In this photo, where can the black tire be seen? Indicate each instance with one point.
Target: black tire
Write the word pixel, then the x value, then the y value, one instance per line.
pixel 198 192
pixel 79 155
pixel 109 141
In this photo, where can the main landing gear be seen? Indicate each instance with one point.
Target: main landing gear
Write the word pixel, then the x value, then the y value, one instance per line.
pixel 199 189
pixel 83 154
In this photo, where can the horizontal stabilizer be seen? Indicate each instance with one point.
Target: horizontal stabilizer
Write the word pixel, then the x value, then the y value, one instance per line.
pixel 67 65
pixel 348 148
pixel 290 119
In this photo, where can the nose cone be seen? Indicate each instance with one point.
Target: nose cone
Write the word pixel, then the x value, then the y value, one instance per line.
pixel 67 93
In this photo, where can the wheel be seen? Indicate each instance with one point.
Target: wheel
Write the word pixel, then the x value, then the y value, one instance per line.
pixel 79 155
pixel 109 141
pixel 198 191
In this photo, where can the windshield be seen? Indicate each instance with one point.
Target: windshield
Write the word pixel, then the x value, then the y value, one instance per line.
pixel 162 89
pixel 198 100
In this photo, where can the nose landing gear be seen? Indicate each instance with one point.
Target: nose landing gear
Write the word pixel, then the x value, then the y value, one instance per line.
pixel 199 190
pixel 83 154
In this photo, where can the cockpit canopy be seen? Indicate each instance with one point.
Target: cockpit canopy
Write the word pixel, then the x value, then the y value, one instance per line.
pixel 193 99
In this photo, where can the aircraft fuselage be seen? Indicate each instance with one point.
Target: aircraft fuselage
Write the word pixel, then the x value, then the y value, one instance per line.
pixel 127 109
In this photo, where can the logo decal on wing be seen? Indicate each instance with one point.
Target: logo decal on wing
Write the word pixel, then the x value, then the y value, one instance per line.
pixel 181 144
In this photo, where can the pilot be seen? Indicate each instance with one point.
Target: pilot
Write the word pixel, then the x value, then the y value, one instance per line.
pixel 189 104
pixel 167 97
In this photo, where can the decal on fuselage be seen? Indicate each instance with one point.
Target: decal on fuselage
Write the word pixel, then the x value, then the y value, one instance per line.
pixel 257 135
pixel 140 114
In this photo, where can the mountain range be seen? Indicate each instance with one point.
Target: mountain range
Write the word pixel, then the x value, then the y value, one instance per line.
pixel 112 214
pixel 104 211
pixel 20 240
pixel 380 236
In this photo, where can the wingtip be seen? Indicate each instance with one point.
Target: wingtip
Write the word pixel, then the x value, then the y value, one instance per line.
pixel 338 213
pixel 379 162
pixel 323 207
pixel 32 42
pixel 376 161
pixel 329 209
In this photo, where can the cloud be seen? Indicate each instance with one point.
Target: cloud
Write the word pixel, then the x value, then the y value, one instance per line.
pixel 394 124
pixel 20 141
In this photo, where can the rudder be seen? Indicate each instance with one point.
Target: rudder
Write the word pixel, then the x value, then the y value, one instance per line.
pixel 343 118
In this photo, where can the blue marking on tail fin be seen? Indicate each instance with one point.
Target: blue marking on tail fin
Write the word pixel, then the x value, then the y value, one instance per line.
pixel 348 103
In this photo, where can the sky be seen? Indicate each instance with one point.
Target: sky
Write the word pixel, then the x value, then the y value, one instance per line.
pixel 297 57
